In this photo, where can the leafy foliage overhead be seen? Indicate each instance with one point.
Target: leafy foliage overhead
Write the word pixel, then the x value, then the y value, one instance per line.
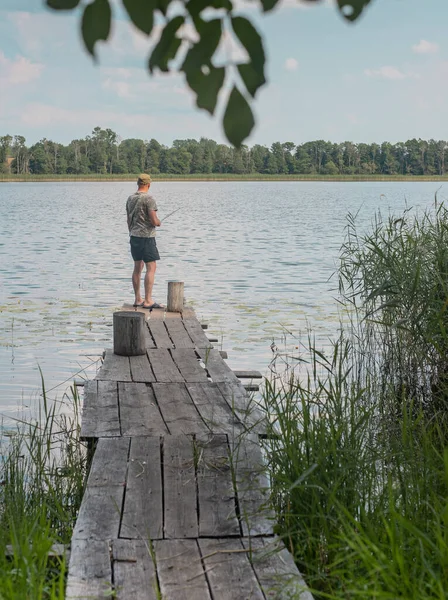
pixel 177 50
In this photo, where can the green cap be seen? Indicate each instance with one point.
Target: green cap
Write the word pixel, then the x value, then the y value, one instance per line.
pixel 144 179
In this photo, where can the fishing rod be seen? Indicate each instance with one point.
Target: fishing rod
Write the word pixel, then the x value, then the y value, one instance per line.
pixel 170 214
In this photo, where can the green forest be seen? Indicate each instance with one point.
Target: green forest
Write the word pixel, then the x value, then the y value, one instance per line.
pixel 105 152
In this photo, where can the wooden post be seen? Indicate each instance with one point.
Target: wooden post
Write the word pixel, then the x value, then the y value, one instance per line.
pixel 175 301
pixel 129 333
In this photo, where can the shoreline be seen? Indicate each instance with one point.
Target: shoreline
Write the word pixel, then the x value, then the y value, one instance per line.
pixel 217 177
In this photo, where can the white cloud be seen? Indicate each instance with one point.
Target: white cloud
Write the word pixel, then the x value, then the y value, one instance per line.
pixel 291 64
pixel 425 47
pixel 19 70
pixel 391 73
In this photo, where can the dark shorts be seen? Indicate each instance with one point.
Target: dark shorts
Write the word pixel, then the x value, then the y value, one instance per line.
pixel 144 249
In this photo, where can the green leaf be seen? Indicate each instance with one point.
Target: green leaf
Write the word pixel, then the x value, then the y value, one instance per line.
pixel 238 119
pixel 167 46
pixel 206 86
pixel 201 53
pixel 268 4
pixel 251 40
pixel 141 13
pixel 63 4
pixel 96 22
pixel 252 79
pixel 351 9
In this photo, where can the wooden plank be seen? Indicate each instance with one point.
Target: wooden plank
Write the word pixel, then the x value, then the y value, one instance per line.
pixel 229 571
pixel 248 374
pixel 157 314
pixel 179 334
pixel 141 369
pixel 216 496
pixel 252 486
pixel 110 462
pixel 149 342
pixel 188 313
pixel 89 572
pixel 216 367
pixel 196 333
pixel 213 409
pixel 160 334
pixel 276 571
pixel 115 368
pixel 134 572
pixel 244 406
pixel 180 570
pixel 188 364
pixel 181 518
pixel 178 410
pixel 100 416
pixel 143 504
pixel 99 514
pixel 139 413
pixel 163 366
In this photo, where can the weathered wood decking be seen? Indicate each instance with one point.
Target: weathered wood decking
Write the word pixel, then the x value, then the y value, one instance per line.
pixel 177 499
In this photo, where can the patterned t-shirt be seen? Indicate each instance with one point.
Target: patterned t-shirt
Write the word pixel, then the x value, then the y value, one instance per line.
pixel 137 208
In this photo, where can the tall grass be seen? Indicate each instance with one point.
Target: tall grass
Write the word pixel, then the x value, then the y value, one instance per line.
pixel 357 446
pixel 42 478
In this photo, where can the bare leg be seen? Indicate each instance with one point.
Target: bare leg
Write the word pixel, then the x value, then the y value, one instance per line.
pixel 136 276
pixel 149 281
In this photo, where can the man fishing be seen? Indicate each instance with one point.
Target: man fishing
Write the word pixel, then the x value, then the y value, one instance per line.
pixel 141 209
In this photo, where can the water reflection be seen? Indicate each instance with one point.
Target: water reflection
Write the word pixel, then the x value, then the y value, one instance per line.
pixel 256 258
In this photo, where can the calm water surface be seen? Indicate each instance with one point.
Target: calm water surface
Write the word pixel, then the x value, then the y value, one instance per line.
pixel 256 259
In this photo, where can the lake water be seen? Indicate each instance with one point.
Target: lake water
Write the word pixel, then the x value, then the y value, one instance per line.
pixel 256 258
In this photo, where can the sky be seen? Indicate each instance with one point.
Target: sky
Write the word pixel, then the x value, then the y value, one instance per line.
pixel 384 78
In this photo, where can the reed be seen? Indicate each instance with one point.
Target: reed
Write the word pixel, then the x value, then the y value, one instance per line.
pixel 42 479
pixel 357 447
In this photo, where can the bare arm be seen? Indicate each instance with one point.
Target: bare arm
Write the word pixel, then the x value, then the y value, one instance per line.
pixel 155 221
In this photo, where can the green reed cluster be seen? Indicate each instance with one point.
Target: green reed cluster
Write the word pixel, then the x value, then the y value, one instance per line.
pixel 42 478
pixel 358 439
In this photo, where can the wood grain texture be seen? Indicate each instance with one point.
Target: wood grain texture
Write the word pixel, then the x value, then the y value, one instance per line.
pixel 148 338
pixel 115 368
pixel 139 412
pixel 196 333
pixel 159 334
pixel 100 414
pixel 163 366
pixel 178 409
pixel 134 572
pixel 213 409
pixel 110 462
pixel 188 364
pixel 181 518
pixel 216 496
pixel 129 333
pixel 216 367
pixel 229 570
pixel 275 569
pixel 180 570
pixel 90 572
pixel 141 369
pixel 179 334
pixel 143 504
pixel 99 514
pixel 252 483
pixel 244 406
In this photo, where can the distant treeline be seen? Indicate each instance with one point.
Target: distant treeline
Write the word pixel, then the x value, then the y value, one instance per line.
pixel 105 152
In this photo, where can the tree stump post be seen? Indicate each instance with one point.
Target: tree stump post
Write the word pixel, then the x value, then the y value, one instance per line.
pixel 175 302
pixel 129 333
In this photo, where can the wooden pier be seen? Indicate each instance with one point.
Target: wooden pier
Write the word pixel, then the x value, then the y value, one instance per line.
pixel 176 505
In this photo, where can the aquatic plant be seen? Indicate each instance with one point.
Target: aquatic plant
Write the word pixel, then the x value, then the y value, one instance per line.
pixel 42 477
pixel 358 435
